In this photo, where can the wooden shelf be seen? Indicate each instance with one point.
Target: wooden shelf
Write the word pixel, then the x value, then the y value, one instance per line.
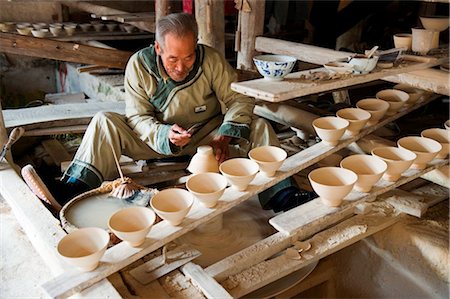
pixel 162 233
pixel 294 85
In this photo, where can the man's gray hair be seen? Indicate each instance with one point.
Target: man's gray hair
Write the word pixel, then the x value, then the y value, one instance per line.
pixel 179 24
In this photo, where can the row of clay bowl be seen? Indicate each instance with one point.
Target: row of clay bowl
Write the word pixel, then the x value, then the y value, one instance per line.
pixel 56 29
pixel 361 172
pixel 84 247
pixel 367 112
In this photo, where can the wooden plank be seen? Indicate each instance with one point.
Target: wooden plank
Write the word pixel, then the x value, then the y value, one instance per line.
pixel 406 202
pixel 323 244
pixel 159 266
pixel 210 288
pixel 130 17
pixel 294 85
pixel 427 79
pixel 106 35
pixel 314 211
pixel 57 130
pixel 63 51
pixel 57 151
pixel 430 79
pixel 44 117
pixel 303 52
pixel 439 176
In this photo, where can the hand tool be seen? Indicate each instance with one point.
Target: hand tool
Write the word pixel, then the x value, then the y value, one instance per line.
pixel 13 137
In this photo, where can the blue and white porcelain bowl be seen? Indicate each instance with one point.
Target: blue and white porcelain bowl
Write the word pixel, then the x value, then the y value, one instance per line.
pixel 274 67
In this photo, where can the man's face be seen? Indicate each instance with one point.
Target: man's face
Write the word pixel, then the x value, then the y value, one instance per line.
pixel 178 56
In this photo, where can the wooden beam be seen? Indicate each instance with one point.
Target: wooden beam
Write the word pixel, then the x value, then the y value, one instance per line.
pixel 162 8
pixel 64 51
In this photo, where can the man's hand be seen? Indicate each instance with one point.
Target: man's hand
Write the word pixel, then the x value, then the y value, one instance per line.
pixel 220 147
pixel 179 136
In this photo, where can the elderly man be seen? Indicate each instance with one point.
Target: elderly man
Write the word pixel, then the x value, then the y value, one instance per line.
pixel 178 97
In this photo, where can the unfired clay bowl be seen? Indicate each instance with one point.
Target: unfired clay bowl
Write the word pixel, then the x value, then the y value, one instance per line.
pixel 369 170
pixel 132 224
pixel 207 187
pixel 356 117
pixel 395 98
pixel 414 93
pixel 55 31
pixel 172 204
pixel 269 159
pixel 70 29
pixel 330 129
pixel 24 30
pixel 403 40
pixel 397 159
pixel 39 32
pixel 239 172
pixel 85 27
pixel 332 184
pixel 84 247
pixel 203 161
pixel 111 26
pixel 376 107
pixel 436 23
pixel 426 149
pixel 442 136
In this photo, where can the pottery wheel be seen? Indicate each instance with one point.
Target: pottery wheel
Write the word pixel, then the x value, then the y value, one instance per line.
pixel 242 226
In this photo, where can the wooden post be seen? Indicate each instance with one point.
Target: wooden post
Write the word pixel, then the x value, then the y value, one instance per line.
pixel 3 133
pixel 252 25
pixel 162 8
pixel 211 26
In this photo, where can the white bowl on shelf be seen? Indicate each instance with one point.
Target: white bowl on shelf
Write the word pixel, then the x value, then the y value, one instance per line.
pixel 330 129
pixel 172 204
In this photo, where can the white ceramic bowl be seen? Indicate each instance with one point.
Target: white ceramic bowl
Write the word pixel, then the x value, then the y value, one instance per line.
pixel 38 26
pixel 332 184
pixel 132 224
pixel 172 204
pixel 426 149
pixel 269 159
pixel 239 172
pixel 395 98
pixel 369 170
pixel 84 247
pixel 98 27
pixel 55 31
pixel 24 30
pixel 207 187
pixel 85 27
pixel 442 136
pixel 363 65
pixel 274 67
pixel 414 93
pixel 339 67
pixel 356 117
pixel 39 32
pixel 330 129
pixel 397 159
pixel 436 23
pixel 376 107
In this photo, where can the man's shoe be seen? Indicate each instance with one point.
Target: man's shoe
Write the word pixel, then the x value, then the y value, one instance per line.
pixel 38 187
pixel 289 198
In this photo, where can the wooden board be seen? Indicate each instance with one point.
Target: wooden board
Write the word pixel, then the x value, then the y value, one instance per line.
pixel 63 51
pixel 323 244
pixel 314 211
pixel 294 86
pixel 210 288
pixel 157 267
pixel 129 17
pixel 44 117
